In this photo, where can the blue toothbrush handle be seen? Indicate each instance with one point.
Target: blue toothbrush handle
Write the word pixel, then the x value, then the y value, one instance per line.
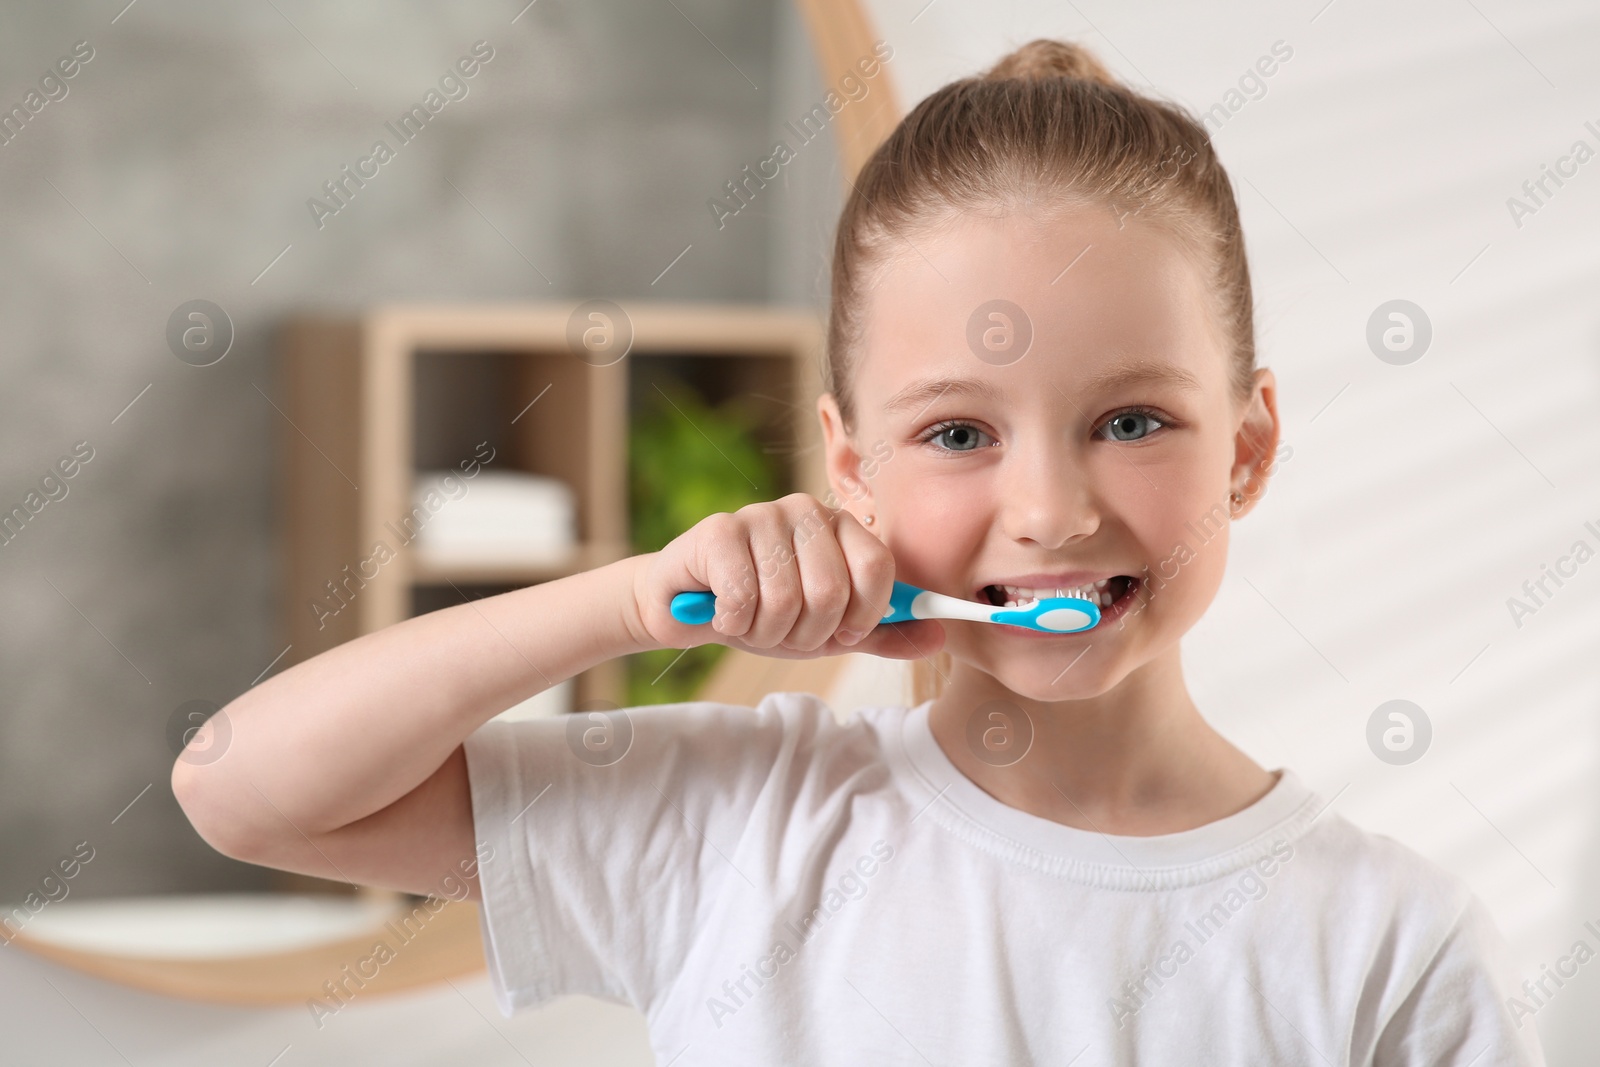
pixel 696 608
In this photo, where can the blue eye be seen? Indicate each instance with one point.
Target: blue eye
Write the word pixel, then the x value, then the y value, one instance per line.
pixel 957 437
pixel 1129 421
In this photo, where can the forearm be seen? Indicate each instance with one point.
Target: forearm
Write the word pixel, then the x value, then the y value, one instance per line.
pixel 346 733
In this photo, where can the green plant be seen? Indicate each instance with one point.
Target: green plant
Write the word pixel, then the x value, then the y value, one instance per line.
pixel 687 460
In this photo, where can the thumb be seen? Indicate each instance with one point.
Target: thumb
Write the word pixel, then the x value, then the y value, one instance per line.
pixel 903 640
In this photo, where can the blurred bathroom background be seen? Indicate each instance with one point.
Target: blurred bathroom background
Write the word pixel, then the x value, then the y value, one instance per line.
pixel 178 167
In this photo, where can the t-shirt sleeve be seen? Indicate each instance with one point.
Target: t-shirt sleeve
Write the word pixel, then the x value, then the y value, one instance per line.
pixel 610 838
pixel 1463 1009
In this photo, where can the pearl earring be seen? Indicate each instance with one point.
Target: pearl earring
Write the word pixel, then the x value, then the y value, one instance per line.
pixel 869 520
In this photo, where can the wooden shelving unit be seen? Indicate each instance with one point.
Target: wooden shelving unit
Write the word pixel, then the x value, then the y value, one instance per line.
pixel 370 400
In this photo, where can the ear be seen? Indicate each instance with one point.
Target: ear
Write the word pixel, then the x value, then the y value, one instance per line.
pixel 1256 442
pixel 843 460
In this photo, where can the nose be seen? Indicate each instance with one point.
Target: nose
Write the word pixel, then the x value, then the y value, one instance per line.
pixel 1046 499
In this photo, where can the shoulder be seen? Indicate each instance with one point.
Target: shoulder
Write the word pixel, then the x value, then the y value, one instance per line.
pixel 1374 879
pixel 1436 966
pixel 1419 911
pixel 794 730
pixel 790 755
pixel 780 720
pixel 1422 946
pixel 785 730
pixel 799 714
pixel 1365 859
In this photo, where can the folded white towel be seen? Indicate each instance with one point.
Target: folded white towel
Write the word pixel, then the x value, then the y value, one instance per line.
pixel 496 514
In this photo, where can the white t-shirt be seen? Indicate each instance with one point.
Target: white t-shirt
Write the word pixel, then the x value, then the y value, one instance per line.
pixel 770 886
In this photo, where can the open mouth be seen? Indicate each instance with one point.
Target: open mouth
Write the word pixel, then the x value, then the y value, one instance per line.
pixel 1106 593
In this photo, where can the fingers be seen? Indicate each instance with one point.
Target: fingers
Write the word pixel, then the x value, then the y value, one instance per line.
pixel 731 573
pixel 808 575
pixel 789 576
pixel 846 578
pixel 824 581
pixel 780 597
pixel 871 576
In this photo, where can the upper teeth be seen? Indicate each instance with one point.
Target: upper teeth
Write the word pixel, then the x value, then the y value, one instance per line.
pixel 1095 592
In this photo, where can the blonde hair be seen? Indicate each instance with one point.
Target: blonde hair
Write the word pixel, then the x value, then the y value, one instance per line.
pixel 1047 123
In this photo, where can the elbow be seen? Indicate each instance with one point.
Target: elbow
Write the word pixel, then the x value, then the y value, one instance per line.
pixel 195 787
pixel 206 792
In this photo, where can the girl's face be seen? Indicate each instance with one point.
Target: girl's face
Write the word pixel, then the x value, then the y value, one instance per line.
pixel 1107 448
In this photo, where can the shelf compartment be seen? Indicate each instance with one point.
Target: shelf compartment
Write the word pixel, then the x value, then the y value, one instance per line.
pixel 356 437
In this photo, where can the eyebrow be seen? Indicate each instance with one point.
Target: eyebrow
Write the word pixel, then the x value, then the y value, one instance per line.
pixel 1144 374
pixel 921 395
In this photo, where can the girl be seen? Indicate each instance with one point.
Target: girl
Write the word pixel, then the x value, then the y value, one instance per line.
pixel 1042 378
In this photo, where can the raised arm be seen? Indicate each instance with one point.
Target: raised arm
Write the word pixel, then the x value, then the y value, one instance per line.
pixel 349 765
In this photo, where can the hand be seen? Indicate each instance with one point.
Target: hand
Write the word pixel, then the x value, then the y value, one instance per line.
pixel 793 579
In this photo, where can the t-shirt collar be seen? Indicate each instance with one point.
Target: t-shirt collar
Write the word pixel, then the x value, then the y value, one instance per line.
pixel 1159 861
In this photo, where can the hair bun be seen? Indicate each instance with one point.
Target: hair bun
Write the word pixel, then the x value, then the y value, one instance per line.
pixel 1045 58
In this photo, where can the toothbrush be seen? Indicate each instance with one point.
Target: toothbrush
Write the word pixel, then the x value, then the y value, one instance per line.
pixel 1052 615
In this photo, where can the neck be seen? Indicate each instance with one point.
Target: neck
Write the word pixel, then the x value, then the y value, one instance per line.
pixel 1137 759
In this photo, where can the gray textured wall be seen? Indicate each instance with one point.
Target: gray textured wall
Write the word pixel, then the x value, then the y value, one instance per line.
pixel 176 167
